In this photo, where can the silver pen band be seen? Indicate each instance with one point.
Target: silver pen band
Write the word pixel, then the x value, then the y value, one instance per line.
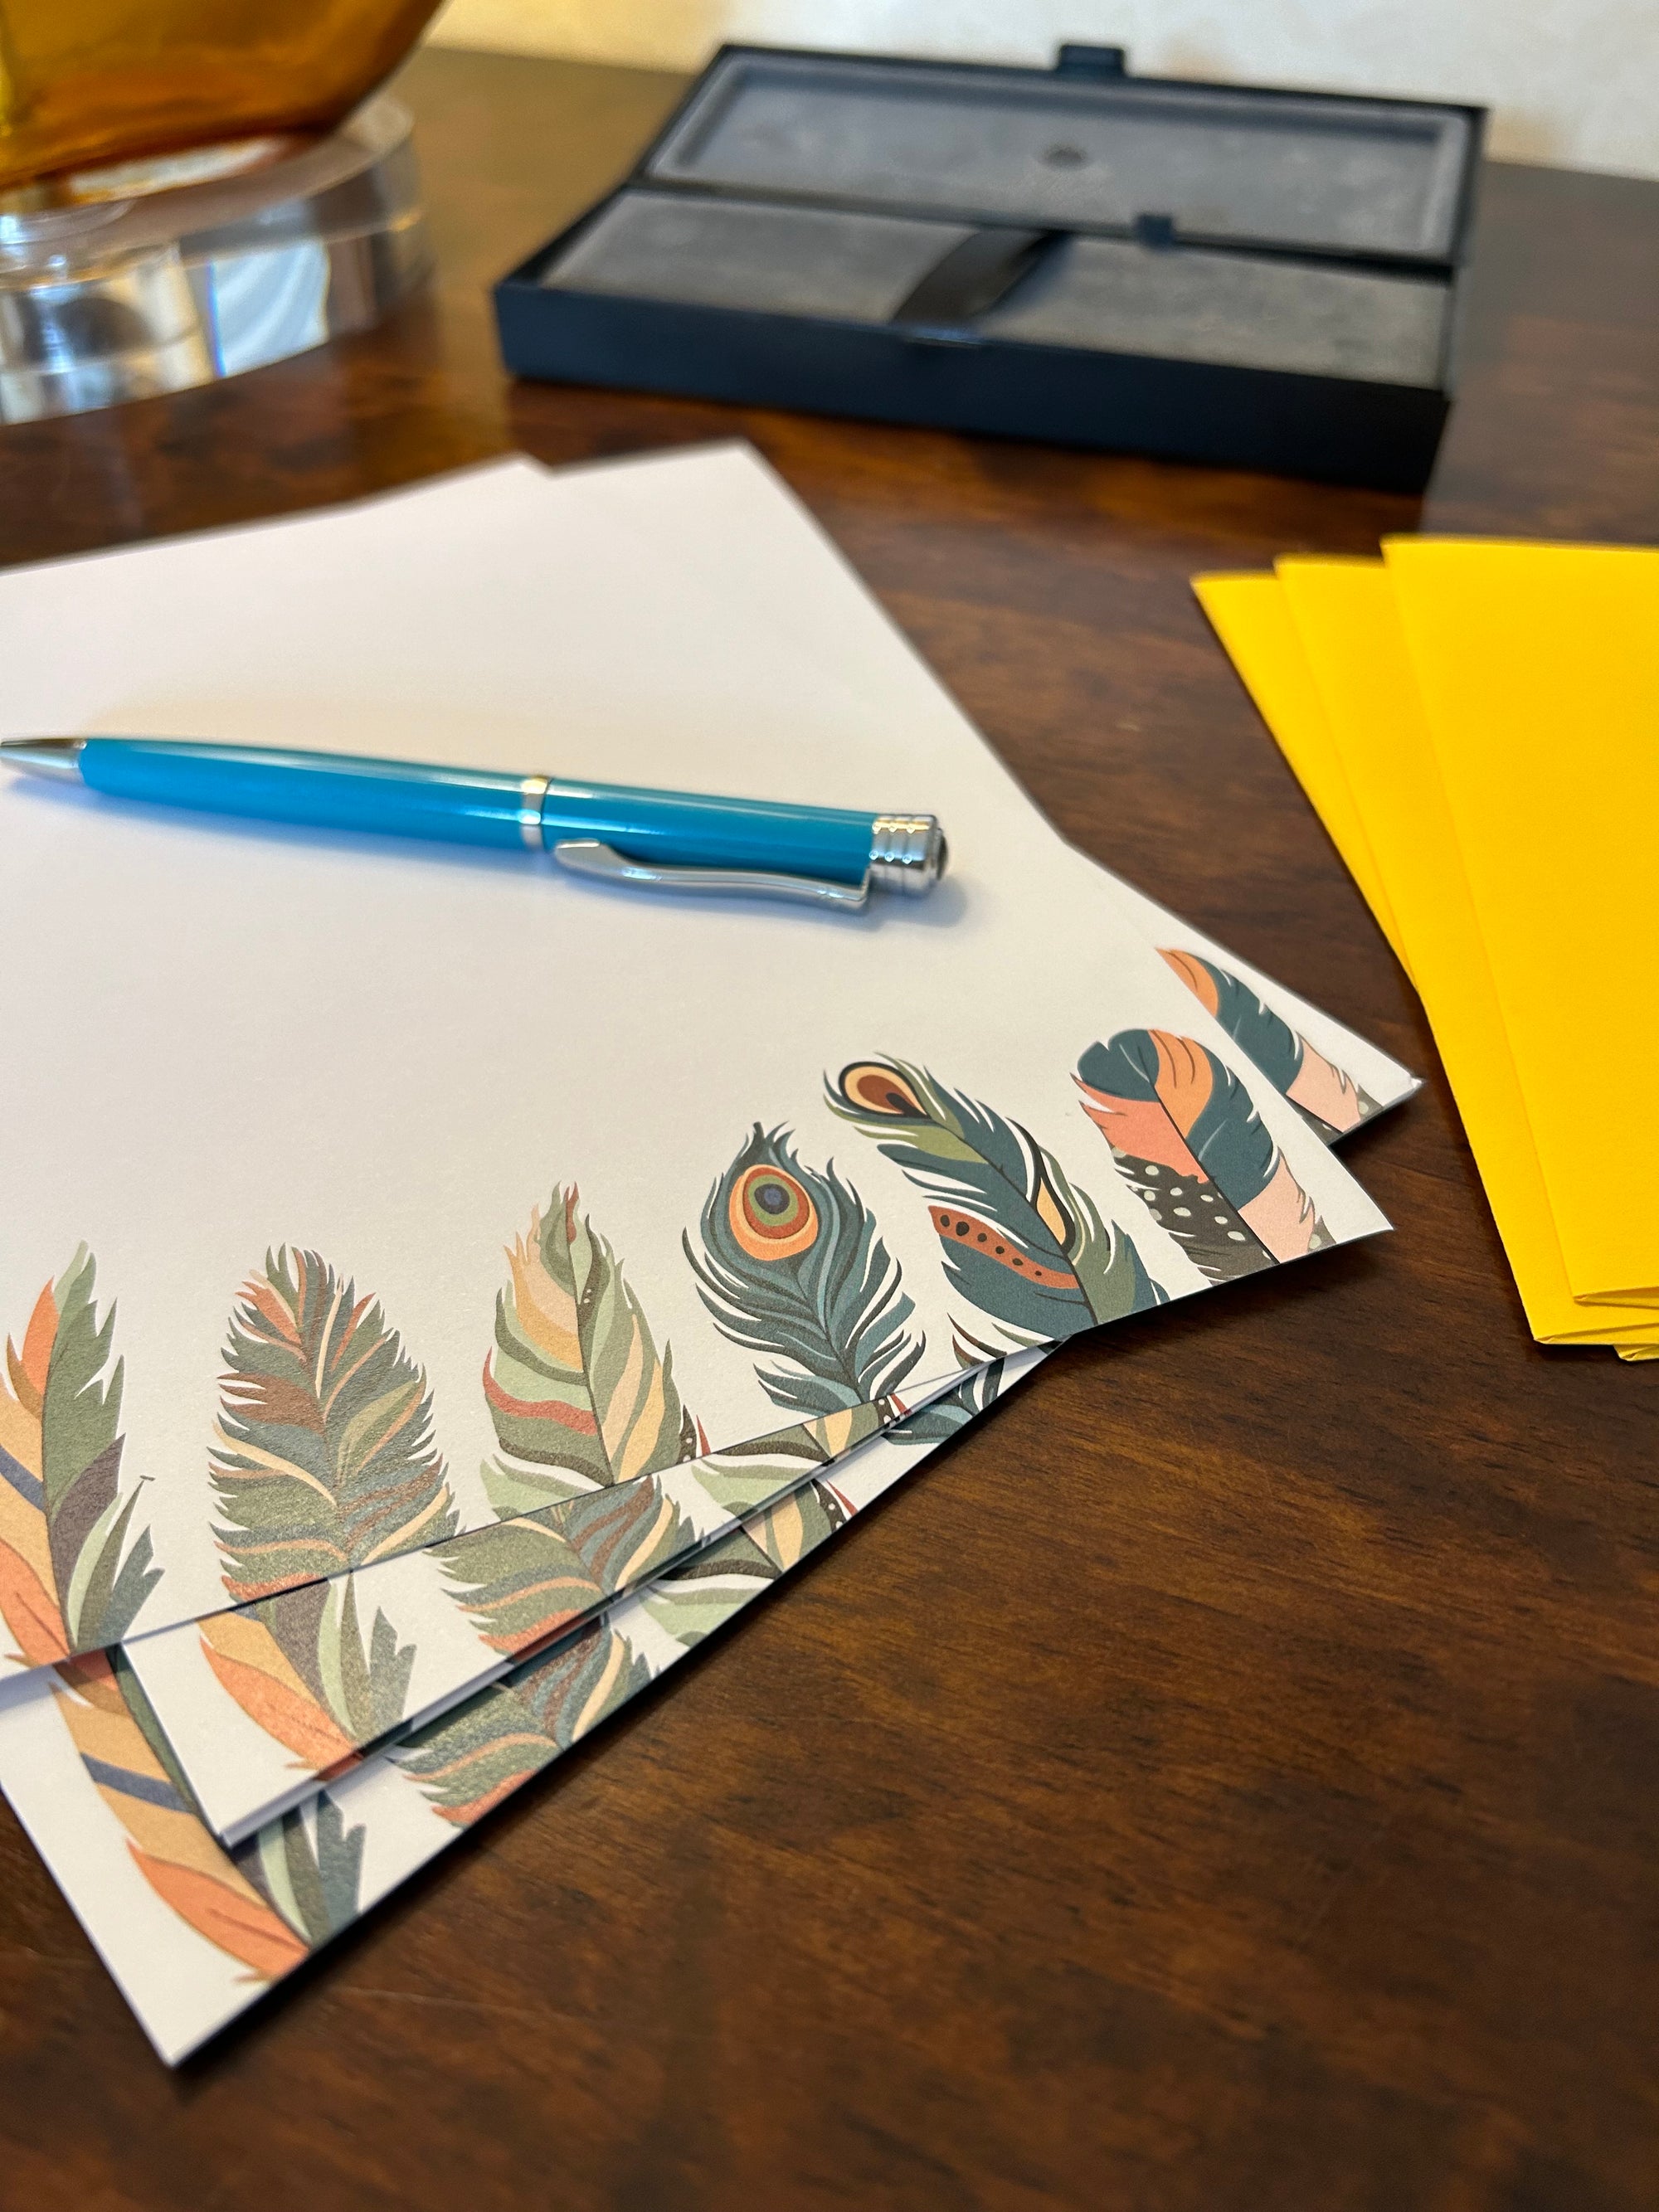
pixel 533 793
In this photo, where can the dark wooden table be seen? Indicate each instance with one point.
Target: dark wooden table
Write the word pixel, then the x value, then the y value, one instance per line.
pixel 1297 1845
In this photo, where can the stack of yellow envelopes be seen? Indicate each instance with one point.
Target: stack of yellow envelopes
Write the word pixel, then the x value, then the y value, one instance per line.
pixel 1477 723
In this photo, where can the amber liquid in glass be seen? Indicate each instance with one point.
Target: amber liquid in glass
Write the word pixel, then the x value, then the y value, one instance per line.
pixel 88 82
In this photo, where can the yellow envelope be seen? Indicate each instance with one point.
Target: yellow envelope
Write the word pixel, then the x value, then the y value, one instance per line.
pixel 1347 618
pixel 1253 622
pixel 1348 719
pixel 1539 670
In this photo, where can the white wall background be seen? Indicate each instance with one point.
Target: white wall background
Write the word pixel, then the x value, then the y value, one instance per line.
pixel 1574 83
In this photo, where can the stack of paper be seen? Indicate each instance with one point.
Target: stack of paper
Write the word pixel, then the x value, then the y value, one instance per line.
pixel 1474 722
pixel 442 1291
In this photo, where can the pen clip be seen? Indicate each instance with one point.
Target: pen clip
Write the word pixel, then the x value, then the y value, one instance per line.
pixel 587 856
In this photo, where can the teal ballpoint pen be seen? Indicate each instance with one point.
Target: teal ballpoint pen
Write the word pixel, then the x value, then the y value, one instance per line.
pixel 663 840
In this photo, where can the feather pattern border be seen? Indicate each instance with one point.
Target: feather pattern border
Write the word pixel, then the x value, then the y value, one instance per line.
pixel 1327 1098
pixel 323 1456
pixel 578 1394
pixel 73 1575
pixel 1019 1242
pixel 1186 1136
pixel 792 1266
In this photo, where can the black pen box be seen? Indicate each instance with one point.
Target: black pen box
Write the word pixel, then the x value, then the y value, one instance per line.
pixel 1229 274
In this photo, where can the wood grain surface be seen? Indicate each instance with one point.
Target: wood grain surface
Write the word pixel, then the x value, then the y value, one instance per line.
pixel 1227 1781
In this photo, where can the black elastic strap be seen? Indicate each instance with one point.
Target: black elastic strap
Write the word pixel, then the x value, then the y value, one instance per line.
pixel 973 276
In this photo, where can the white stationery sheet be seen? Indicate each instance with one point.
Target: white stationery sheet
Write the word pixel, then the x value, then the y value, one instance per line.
pixel 250 1735
pixel 193 1935
pixel 304 1088
pixel 252 1742
pixel 466 1088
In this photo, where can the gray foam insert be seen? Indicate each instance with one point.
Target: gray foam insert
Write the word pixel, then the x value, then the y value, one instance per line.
pixel 1225 307
pixel 1110 294
pixel 735 253
pixel 1382 176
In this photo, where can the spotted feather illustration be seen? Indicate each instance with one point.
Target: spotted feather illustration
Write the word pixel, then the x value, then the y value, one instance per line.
pixel 70 1579
pixel 1328 1100
pixel 1185 1136
pixel 1020 1243
pixel 792 1267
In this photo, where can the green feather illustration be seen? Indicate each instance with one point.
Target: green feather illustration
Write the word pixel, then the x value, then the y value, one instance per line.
pixel 792 1268
pixel 298 1664
pixel 1020 1243
pixel 695 1596
pixel 69 1579
pixel 526 1579
pixel 469 1759
pixel 324 1460
pixel 578 1394
pixel 308 1865
pixel 466 1762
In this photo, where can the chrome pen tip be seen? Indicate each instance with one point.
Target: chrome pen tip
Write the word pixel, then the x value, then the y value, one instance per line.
pixel 54 757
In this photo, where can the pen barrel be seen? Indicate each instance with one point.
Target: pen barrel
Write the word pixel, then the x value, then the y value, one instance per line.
pixel 677 829
pixel 321 791
pixel 473 807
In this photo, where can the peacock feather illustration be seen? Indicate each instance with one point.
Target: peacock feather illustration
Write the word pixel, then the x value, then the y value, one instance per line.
pixel 466 1762
pixel 1327 1099
pixel 792 1267
pixel 323 1462
pixel 578 1394
pixel 1020 1243
pixel 1187 1138
pixel 130 1763
pixel 65 1585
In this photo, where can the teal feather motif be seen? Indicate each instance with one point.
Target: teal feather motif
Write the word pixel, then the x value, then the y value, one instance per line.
pixel 1327 1098
pixel 792 1267
pixel 1020 1242
pixel 975 1394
